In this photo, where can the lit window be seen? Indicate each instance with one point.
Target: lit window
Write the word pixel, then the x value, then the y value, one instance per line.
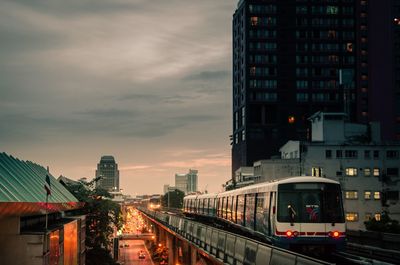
pixel 376 172
pixel 351 171
pixel 367 195
pixel 351 195
pixel 377 195
pixel 367 172
pixel 254 21
pixel 349 47
pixel 316 172
pixel 377 216
pixel 352 217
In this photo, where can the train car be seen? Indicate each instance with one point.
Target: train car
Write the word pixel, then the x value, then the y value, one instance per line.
pixel 304 214
pixel 154 202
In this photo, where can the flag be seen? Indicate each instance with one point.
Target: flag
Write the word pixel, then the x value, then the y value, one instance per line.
pixel 47 185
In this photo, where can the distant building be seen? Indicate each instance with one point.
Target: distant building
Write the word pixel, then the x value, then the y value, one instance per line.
pixel 187 182
pixel 192 181
pixel 108 174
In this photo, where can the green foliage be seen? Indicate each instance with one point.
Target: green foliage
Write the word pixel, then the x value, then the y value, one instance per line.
pixel 101 214
pixel 175 200
pixel 385 225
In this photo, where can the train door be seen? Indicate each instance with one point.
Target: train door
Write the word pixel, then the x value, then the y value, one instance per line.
pixel 272 213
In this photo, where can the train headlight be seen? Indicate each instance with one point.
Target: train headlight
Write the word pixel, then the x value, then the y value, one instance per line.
pixel 334 234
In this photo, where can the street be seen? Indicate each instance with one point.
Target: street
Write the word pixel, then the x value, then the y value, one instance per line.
pixel 129 253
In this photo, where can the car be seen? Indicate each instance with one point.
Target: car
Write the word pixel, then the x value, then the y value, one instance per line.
pixel 142 255
pixel 126 245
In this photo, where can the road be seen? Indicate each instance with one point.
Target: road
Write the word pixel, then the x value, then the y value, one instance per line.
pixel 128 255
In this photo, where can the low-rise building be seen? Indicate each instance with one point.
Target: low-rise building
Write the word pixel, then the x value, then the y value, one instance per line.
pixel 33 226
pixel 353 154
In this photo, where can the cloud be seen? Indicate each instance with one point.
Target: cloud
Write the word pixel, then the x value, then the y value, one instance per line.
pixel 82 78
pixel 208 75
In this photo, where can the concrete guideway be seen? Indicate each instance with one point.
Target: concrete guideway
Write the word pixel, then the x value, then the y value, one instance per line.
pixel 219 246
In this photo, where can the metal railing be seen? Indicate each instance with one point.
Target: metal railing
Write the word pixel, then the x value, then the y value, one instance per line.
pixel 226 247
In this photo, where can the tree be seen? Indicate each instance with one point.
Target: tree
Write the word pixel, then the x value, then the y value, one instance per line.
pixel 101 215
pixel 175 199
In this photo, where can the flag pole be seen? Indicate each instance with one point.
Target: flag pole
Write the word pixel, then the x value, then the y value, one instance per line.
pixel 47 215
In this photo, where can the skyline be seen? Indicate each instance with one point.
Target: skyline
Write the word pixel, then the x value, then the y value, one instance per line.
pixel 80 79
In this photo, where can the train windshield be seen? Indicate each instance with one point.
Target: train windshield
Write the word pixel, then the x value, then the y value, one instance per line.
pixel 310 203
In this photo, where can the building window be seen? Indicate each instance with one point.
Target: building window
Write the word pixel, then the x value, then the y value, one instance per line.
pixel 351 195
pixel 367 195
pixel 392 154
pixel 376 154
pixel 254 21
pixel 376 172
pixel 377 195
pixel 350 154
pixel 367 154
pixel 367 172
pixel 316 172
pixel 377 216
pixel 392 195
pixel 352 217
pixel 368 217
pixel 392 171
pixel 339 154
pixel 351 171
pixel 328 153
pixel 243 135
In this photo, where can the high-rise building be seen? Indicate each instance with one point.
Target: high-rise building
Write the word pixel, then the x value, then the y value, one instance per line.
pixel 108 174
pixel 294 58
pixel 187 182
pixel 192 180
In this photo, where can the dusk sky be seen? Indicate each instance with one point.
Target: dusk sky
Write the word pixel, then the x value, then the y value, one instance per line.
pixel 147 81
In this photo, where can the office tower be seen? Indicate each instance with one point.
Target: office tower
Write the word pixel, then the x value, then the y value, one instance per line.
pixel 187 182
pixel 108 174
pixel 294 58
pixel 192 180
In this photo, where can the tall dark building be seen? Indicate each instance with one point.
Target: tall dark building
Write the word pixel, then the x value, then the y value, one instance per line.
pixel 108 174
pixel 289 57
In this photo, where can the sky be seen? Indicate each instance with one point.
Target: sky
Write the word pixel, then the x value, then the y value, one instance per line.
pixel 147 81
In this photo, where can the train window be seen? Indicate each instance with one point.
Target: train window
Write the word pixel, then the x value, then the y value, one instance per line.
pixel 234 209
pixel 223 207
pixel 261 213
pixel 240 210
pixel 310 203
pixel 216 207
pixel 229 210
pixel 250 210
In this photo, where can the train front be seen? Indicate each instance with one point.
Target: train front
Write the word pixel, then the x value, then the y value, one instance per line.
pixel 310 217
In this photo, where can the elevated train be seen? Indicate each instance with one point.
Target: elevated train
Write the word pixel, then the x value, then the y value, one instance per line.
pixel 303 214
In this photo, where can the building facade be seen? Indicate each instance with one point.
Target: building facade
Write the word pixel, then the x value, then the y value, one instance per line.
pixel 353 154
pixel 108 174
pixel 187 182
pixel 294 58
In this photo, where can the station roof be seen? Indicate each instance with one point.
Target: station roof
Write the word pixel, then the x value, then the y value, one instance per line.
pixel 22 189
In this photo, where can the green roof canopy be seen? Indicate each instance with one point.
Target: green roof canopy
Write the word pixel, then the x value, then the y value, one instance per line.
pixel 22 189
